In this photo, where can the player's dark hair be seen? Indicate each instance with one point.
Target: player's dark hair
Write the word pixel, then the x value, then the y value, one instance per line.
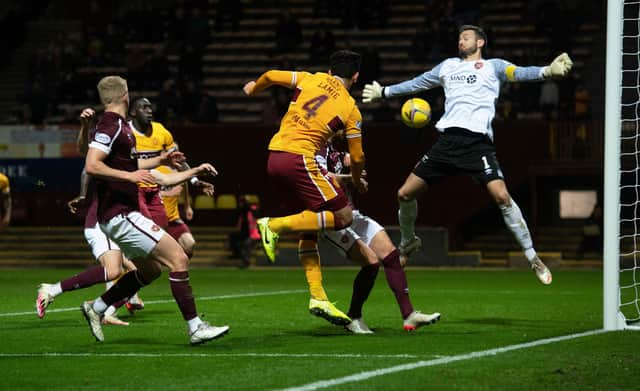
pixel 476 29
pixel 345 63
pixel 134 103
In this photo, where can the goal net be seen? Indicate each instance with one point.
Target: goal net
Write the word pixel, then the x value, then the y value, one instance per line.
pixel 622 167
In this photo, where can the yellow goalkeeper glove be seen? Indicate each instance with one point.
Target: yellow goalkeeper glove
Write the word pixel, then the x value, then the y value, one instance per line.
pixel 372 92
pixel 560 66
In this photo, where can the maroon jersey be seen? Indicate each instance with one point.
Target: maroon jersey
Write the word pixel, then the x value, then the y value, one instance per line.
pixel 331 159
pixel 113 136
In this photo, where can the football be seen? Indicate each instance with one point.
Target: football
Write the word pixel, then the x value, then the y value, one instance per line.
pixel 415 113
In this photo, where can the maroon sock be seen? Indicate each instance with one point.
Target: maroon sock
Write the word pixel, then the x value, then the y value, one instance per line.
pixel 182 293
pixel 124 288
pixel 397 281
pixel 362 286
pixel 89 277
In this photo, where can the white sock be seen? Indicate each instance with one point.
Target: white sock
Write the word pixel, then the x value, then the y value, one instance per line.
pixel 99 306
pixel 407 214
pixel 194 323
pixel 55 289
pixel 515 222
pixel 108 285
pixel 110 310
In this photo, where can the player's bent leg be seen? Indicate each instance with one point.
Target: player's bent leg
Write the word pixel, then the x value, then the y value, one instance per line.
pixel 113 264
pixel 514 220
pixel 187 242
pixel 343 217
pixel 408 212
pixel 169 253
pixel 94 275
pixel 364 280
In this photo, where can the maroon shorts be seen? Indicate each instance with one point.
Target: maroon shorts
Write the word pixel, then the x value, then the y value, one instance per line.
pixel 302 185
pixel 151 205
pixel 176 228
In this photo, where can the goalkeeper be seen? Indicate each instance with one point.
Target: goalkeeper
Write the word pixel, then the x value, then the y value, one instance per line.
pixel 471 87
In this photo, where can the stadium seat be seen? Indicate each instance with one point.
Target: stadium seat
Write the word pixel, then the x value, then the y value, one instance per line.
pixel 203 202
pixel 226 201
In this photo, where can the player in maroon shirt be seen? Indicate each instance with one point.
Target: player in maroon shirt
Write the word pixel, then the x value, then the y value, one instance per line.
pixel 367 243
pixel 105 251
pixel 111 162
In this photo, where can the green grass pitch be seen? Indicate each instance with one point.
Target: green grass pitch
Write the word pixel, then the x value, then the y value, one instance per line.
pixel 274 343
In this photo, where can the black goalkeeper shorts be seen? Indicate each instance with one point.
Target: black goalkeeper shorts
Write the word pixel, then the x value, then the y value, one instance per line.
pixel 460 151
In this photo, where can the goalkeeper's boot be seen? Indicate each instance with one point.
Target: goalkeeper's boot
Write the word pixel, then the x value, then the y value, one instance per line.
pixel 542 272
pixel 407 249
pixel 416 319
pixel 205 332
pixel 325 309
pixel 357 326
pixel 43 300
pixel 269 239
pixel 134 304
pixel 93 319
pixel 113 320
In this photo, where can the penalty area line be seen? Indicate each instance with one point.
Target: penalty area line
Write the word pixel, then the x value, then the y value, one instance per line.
pixel 164 301
pixel 362 376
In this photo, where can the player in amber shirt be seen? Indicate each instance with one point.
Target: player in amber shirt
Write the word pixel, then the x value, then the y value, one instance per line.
pixel 152 138
pixel 321 106
pixel 5 196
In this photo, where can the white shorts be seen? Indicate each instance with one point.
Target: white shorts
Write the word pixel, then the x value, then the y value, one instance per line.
pixel 99 241
pixel 136 235
pixel 363 228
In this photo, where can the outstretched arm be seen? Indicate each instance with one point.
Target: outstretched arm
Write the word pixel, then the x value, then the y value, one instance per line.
pixel 427 80
pixel 181 176
pixel 286 79
pixel 506 71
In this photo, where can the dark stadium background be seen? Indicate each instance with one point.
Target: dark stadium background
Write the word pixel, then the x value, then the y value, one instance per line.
pixel 191 59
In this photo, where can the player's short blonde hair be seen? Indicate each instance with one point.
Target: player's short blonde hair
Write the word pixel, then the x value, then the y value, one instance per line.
pixel 112 89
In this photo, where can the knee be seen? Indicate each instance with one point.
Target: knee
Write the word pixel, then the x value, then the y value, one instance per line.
pixel 404 196
pixel 113 273
pixel 343 219
pixel 502 198
pixel 188 243
pixel 180 261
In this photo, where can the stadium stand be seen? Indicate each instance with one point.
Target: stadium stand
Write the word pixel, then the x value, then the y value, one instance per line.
pixel 176 54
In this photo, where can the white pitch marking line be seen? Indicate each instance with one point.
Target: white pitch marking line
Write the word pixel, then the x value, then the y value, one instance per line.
pixel 232 296
pixel 256 355
pixel 439 361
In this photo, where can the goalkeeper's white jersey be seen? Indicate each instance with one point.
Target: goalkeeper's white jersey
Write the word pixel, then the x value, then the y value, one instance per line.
pixel 471 89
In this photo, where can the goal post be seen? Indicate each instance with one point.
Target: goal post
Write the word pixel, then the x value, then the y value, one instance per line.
pixel 621 258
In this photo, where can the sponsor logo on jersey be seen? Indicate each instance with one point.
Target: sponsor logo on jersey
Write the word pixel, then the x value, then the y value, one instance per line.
pixel 478 65
pixel 457 78
pixel 102 138
pixel 472 79
pixel 155 228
